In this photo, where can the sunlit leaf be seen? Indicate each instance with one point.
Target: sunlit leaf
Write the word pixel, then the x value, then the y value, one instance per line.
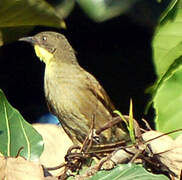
pixel 168 103
pixel 167 42
pixel 167 45
pixel 131 127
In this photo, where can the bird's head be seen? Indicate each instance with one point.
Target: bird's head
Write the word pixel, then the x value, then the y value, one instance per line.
pixel 49 44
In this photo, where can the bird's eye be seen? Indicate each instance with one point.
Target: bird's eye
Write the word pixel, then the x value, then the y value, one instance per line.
pixel 44 38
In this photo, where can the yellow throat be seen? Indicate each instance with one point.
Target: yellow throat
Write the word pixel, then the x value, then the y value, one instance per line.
pixel 43 54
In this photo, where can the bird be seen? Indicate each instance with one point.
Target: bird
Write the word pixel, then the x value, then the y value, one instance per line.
pixel 73 94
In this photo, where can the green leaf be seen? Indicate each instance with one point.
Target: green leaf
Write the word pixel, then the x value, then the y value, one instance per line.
pixel 122 117
pixel 16 133
pixel 169 6
pixel 168 103
pixel 167 54
pixel 28 13
pixel 167 40
pixel 131 128
pixel 63 7
pixel 129 172
pixel 167 46
pixel 102 10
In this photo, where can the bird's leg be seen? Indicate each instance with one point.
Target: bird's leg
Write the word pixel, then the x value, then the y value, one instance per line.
pixel 90 137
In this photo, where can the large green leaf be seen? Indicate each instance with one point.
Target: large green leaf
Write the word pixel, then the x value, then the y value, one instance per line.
pixel 168 103
pixel 167 40
pixel 16 133
pixel 27 13
pixel 167 45
pixel 129 172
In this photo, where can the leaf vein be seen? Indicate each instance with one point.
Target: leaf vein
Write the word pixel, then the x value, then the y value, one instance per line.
pixel 8 129
pixel 27 140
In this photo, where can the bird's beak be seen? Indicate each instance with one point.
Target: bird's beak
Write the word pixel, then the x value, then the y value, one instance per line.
pixel 30 39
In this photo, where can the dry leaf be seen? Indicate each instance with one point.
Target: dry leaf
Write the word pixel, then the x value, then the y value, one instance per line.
pixel 56 144
pixel 50 178
pixel 164 153
pixel 167 151
pixel 20 169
